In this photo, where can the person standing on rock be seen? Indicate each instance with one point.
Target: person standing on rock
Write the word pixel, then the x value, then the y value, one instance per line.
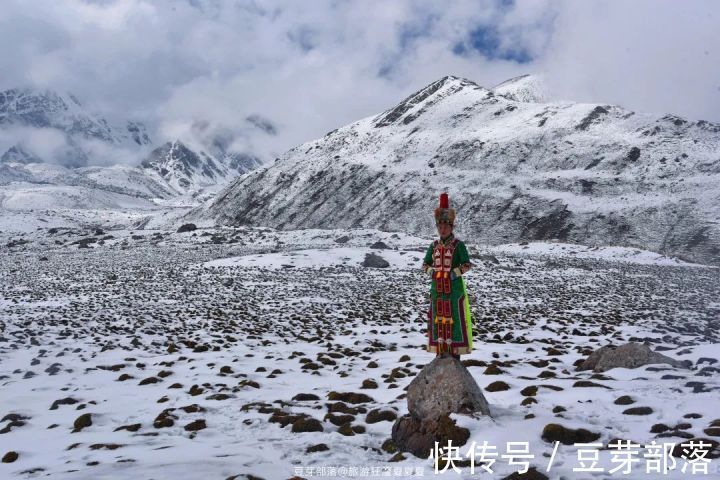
pixel 446 261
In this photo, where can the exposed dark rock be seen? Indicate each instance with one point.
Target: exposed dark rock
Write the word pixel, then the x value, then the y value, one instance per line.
pixel 567 436
pixel 187 227
pixel 378 415
pixel 63 401
pixel 369 383
pixel 497 386
pixel 195 425
pixel 320 447
pixel 698 448
pixel 350 397
pixel 83 421
pixel 301 397
pixel 531 474
pixel 307 424
pixel 418 437
pixel 638 411
pixel 10 457
pixel 373 260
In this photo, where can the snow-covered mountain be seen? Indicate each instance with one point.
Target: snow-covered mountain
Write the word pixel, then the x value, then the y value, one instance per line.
pixel 62 114
pixel 63 111
pixel 48 139
pixel 516 166
pixel 185 169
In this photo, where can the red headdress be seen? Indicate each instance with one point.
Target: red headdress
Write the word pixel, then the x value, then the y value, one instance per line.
pixel 444 213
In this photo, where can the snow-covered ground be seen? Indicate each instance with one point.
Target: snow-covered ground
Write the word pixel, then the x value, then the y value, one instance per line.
pixel 197 344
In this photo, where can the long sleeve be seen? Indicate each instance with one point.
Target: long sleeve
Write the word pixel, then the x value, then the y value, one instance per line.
pixel 428 260
pixel 463 259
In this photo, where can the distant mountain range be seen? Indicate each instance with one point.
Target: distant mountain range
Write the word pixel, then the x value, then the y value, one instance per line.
pixel 517 167
pixel 48 141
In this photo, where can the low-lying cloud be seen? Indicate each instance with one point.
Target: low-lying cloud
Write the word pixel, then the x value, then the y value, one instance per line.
pixel 310 67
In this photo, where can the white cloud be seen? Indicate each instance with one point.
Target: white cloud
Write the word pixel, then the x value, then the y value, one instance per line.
pixel 313 66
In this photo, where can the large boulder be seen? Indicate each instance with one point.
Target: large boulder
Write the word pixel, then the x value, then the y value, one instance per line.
pixel 630 355
pixel 373 260
pixel 187 227
pixel 445 386
pixel 418 437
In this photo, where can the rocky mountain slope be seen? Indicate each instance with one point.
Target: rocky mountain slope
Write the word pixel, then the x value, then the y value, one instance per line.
pixel 516 166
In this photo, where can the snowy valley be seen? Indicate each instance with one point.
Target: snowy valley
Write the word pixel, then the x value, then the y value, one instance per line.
pixel 205 315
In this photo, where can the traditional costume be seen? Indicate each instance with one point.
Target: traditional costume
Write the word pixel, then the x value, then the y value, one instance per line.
pixel 446 260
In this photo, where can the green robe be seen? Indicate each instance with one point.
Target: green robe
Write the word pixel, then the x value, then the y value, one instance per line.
pixel 460 306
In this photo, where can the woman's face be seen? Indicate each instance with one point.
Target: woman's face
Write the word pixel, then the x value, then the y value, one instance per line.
pixel 444 229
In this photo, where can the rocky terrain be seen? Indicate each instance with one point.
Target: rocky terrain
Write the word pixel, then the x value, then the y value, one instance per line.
pixel 517 166
pixel 258 353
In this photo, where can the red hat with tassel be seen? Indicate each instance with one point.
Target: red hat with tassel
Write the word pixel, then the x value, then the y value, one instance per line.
pixel 444 214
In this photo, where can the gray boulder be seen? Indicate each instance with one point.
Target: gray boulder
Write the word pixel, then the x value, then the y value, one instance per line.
pixel 444 386
pixel 373 260
pixel 630 355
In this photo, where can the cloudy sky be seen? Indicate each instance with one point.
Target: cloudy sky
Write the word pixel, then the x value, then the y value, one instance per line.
pixel 311 66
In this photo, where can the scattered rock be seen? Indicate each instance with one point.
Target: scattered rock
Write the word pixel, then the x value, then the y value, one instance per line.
pixel 320 447
pixel 195 426
pixel 130 428
pixel 696 447
pixel 83 421
pixel 149 380
pixel 187 227
pixel 497 386
pixel 301 397
pixel 588 383
pixel 10 457
pixel 378 415
pixel 531 474
pixel 638 411
pixel 165 419
pixel 307 424
pixel 350 397
pixel 339 420
pixel 659 428
pixel 369 384
pixel 105 446
pixel 630 355
pixel 529 391
pixel 410 434
pixel 567 436
pixel 63 401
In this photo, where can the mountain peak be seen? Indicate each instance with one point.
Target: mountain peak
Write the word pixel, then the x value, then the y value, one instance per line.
pixel 18 154
pixel 186 169
pixel 416 104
